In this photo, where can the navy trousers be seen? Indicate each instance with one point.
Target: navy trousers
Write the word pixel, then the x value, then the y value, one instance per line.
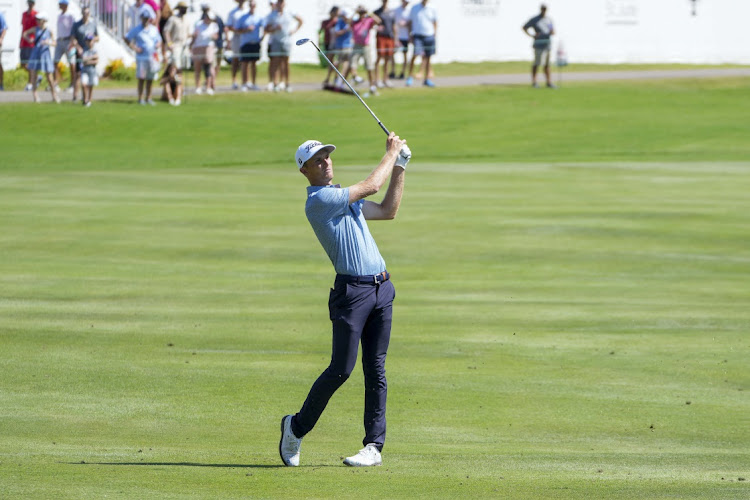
pixel 360 313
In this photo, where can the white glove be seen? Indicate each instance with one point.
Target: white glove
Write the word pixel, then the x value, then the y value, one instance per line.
pixel 403 157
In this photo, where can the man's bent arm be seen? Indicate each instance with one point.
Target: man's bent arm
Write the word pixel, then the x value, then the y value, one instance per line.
pixel 388 208
pixel 377 178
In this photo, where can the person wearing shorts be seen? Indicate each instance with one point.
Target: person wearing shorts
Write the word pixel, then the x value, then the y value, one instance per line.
pixel 423 27
pixel 81 30
pixel 235 44
pixel 89 78
pixel 280 27
pixel 250 31
pixel 343 45
pixel 145 40
pixel 543 31
pixel 362 45
pixel 26 46
pixel 203 50
pixel 401 28
pixel 385 44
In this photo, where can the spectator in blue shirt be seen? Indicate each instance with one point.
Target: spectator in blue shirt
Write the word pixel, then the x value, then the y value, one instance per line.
pixel 145 40
pixel 250 27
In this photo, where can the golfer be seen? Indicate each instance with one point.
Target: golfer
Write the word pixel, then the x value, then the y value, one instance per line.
pixel 361 300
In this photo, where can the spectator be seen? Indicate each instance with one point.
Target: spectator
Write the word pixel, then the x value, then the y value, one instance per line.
pixel 171 82
pixel 65 23
pixel 40 59
pixel 326 31
pixel 165 13
pixel 250 29
pixel 232 19
pixel 28 23
pixel 146 42
pixel 81 30
pixel 89 78
pixel 3 30
pixel 133 18
pixel 279 25
pixel 362 46
pixel 423 28
pixel 344 47
pixel 401 16
pixel 386 44
pixel 218 42
pixel 204 51
pixel 543 30
pixel 176 33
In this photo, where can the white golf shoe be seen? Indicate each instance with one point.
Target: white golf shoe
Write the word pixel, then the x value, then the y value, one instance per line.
pixel 289 444
pixel 367 457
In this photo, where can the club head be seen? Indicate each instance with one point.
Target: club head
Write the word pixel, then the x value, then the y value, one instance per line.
pixel 302 41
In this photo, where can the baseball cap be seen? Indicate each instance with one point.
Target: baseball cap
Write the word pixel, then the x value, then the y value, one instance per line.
pixel 307 149
pixel 41 15
pixel 65 2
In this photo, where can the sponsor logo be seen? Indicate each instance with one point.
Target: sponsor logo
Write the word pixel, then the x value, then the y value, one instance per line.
pixel 480 8
pixel 622 12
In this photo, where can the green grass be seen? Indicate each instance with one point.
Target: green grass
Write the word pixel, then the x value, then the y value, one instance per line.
pixel 571 319
pixel 311 73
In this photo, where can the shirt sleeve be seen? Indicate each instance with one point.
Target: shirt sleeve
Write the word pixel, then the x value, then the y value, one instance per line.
pixel 328 203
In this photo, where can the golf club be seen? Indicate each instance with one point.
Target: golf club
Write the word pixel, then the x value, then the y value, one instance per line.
pixel 303 41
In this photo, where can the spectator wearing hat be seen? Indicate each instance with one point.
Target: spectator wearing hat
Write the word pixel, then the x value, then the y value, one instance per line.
pixel 146 42
pixel 176 33
pixel 40 59
pixel 89 78
pixel 343 46
pixel 279 25
pixel 65 23
pixel 362 46
pixel 83 34
pixel 28 24
pixel 231 28
pixel 250 28
pixel 3 30
pixel 204 51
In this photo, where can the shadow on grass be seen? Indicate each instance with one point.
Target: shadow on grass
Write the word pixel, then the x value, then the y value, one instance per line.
pixel 192 464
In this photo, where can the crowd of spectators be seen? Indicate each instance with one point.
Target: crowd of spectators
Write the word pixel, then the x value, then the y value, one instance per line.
pixel 166 43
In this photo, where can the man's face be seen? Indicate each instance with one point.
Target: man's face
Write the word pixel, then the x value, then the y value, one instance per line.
pixel 31 6
pixel 319 168
pixel 252 5
pixel 63 7
pixel 85 13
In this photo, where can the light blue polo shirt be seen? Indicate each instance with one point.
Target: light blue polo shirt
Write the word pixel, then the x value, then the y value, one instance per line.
pixel 342 230
pixel 246 21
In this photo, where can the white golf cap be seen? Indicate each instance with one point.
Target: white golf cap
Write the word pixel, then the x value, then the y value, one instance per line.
pixel 42 16
pixel 307 149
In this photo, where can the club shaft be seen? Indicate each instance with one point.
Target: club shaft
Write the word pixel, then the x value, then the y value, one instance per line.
pixel 351 88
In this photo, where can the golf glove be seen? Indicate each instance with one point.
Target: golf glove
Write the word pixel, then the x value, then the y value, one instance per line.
pixel 403 157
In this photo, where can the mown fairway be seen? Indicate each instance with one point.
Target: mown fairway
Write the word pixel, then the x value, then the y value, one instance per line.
pixel 572 273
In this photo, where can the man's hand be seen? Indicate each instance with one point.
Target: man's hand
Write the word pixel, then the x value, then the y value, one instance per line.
pixel 403 157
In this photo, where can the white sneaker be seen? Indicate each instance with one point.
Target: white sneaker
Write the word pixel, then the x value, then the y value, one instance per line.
pixel 289 89
pixel 57 88
pixel 151 102
pixel 28 87
pixel 199 90
pixel 381 85
pixel 388 84
pixel 367 457
pixel 358 79
pixel 289 444
pixel 177 102
pixel 270 87
pixel 254 88
pixel 235 86
pixel 282 86
pixel 373 90
pixel 244 88
pixel 210 91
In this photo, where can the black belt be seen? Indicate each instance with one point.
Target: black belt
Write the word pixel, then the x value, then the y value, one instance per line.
pixel 370 279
